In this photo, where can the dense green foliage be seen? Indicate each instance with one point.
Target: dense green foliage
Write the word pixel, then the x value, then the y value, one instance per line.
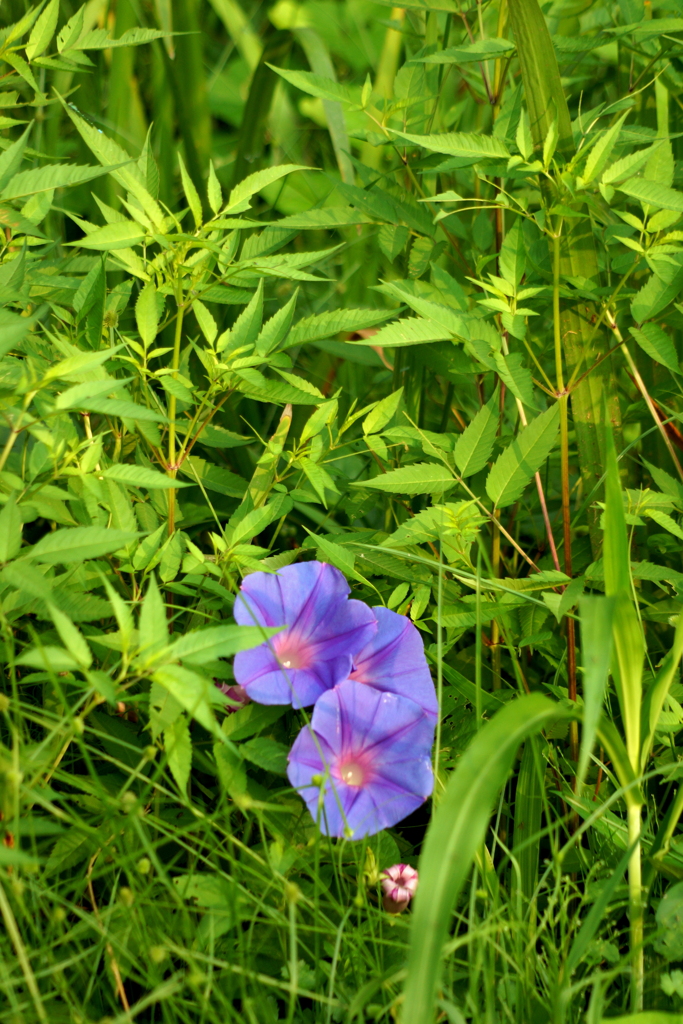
pixel 396 287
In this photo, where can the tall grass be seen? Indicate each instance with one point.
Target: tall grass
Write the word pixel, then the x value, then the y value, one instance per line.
pixel 396 287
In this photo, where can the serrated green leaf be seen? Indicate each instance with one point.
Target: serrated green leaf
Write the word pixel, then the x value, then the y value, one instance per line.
pixel 266 753
pixel 147 314
pixel 44 179
pixel 380 417
pixel 77 544
pixel 412 331
pixel 100 39
pixel 71 637
pixel 206 645
pixel 214 478
pixel 191 194
pixel 514 468
pixel 193 692
pixel 333 322
pixel 153 625
pixel 627 166
pixel 120 235
pixel 474 446
pixel 651 193
pixel 122 409
pixel 178 747
pixel 141 476
pixel 460 144
pixel 657 344
pixel 599 155
pixel 12 156
pixel 213 190
pixel 239 198
pixel 43 31
pixel 316 85
pixel 481 49
pixel 420 478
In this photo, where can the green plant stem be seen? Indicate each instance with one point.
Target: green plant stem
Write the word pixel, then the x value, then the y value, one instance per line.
pixel 172 467
pixel 635 886
pixel 20 950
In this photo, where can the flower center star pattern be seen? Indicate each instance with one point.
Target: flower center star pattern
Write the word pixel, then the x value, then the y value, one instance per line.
pixel 324 631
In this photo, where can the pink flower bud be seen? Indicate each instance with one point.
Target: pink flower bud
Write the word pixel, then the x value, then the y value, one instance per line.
pixel 236 694
pixel 399 883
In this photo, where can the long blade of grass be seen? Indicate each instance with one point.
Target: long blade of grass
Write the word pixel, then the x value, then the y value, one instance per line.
pixel 456 833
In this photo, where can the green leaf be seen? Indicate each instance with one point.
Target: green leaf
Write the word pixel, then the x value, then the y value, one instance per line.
pixel 99 38
pixel 246 328
pixel 10 530
pixel 413 331
pixel 657 693
pixel 598 158
pixel 71 31
pixel 147 314
pixel 191 194
pixel 512 259
pixel 333 322
pixel 239 198
pixel 120 235
pixel 528 812
pixel 596 650
pixel 250 720
pixel 456 833
pixel 475 147
pixel 178 747
pixel 71 637
pixel 420 478
pixel 629 645
pixel 274 332
pixel 193 692
pixel 43 31
pixel 12 157
pixel 336 554
pixel 213 190
pixel 214 478
pixel 656 294
pixel 380 417
pixel 474 446
pixel 153 625
pixel 514 468
pixel 116 407
pixel 205 645
pixel 141 476
pixel 317 85
pixel 266 753
pixel 657 344
pixel 481 49
pixel 78 543
pixel 45 179
pixel 651 193
pixel 48 659
pixel 628 165
pixel 81 363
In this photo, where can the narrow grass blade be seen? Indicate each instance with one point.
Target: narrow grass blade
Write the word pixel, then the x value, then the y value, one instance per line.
pixel 456 833
pixel 596 648
pixel 528 809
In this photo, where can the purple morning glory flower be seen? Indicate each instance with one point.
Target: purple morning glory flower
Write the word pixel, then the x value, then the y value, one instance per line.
pixel 394 660
pixel 324 631
pixel 373 750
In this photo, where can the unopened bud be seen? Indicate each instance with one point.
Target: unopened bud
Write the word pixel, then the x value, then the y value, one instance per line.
pixel 399 883
pixel 127 896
